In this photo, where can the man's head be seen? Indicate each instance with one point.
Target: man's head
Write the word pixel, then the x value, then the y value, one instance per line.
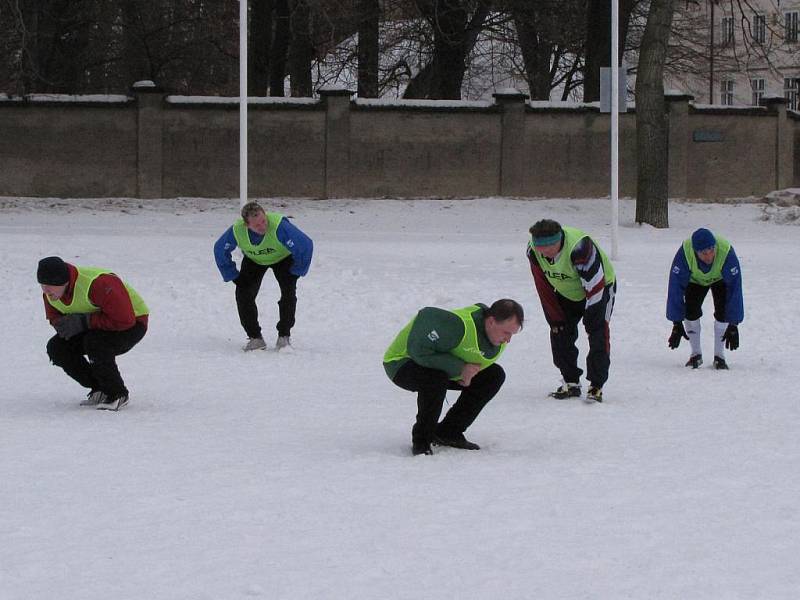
pixel 546 237
pixel 254 217
pixel 53 275
pixel 502 320
pixel 705 245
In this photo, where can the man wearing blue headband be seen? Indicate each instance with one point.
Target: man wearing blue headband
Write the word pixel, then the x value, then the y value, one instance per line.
pixel 575 280
pixel 704 262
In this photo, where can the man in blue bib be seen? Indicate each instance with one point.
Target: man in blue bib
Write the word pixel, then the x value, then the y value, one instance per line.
pixel 705 262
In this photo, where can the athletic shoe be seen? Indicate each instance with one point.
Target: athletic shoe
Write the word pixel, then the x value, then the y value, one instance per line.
pixel 114 403
pixel 568 390
pixel 254 344
pixel 594 394
pixel 694 361
pixel 720 364
pixel 94 398
pixel 455 440
pixel 283 342
pixel 418 448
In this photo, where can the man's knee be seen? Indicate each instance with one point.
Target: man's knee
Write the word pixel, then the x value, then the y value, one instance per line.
pixel 97 347
pixel 491 378
pixel 57 350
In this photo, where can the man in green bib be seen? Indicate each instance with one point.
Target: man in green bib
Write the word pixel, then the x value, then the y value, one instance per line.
pixel 575 280
pixel 97 317
pixel 268 240
pixel 442 350
pixel 705 262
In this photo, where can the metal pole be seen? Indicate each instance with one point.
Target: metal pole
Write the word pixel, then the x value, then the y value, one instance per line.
pixel 243 102
pixel 614 127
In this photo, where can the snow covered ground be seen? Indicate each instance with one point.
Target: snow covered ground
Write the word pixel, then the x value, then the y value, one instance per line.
pixel 289 475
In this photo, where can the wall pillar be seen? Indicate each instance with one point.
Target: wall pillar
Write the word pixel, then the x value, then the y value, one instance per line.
pixel 679 137
pixel 337 141
pixel 511 176
pixel 784 142
pixel 149 131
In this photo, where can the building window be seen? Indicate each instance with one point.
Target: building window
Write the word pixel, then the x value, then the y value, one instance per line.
pixel 727 31
pixel 759 29
pixel 726 96
pixel 792 20
pixel 758 85
pixel 791 86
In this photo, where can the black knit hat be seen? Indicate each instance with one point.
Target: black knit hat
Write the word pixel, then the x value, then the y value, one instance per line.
pixel 52 271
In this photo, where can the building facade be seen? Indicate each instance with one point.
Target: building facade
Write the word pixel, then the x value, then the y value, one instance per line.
pixel 735 52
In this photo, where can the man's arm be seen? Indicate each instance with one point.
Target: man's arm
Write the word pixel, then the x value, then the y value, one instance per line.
pixel 589 264
pixel 432 337
pixel 108 293
pixel 678 280
pixel 734 301
pixel 223 248
pixel 553 312
pixel 298 243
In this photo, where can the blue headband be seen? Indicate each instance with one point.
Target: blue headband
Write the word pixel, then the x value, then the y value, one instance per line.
pixel 548 240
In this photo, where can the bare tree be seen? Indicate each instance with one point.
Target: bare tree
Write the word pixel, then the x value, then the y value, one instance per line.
pixel 301 49
pixel 456 25
pixel 369 14
pixel 598 41
pixel 260 40
pixel 551 39
pixel 652 127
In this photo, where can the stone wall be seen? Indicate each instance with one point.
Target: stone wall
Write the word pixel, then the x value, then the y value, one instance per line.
pixel 150 145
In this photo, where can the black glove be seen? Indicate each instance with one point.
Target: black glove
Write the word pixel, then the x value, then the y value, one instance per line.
pixel 678 332
pixel 71 325
pixel 731 337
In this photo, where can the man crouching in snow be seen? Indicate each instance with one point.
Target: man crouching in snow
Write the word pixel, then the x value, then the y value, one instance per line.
pixel 442 350
pixel 96 317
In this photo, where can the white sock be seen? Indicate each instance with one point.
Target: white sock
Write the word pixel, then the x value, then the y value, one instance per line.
pixel 719 345
pixel 693 331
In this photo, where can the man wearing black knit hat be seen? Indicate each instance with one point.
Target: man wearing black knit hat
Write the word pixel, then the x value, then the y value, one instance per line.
pixel 705 262
pixel 97 317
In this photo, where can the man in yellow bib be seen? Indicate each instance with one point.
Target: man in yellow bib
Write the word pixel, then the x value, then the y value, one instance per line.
pixel 705 262
pixel 268 241
pixel 97 317
pixel 575 280
pixel 442 350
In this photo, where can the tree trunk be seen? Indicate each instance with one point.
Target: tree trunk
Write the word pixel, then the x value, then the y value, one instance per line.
pixel 598 42
pixel 369 13
pixel 260 36
pixel 652 126
pixel 301 50
pixel 536 51
pixel 279 48
pixel 454 39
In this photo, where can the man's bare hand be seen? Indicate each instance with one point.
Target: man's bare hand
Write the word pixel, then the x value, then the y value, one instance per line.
pixel 468 371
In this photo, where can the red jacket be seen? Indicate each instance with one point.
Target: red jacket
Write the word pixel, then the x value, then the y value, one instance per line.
pixel 106 292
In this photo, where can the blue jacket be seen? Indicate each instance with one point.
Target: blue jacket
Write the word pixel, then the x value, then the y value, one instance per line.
pixel 298 243
pixel 679 278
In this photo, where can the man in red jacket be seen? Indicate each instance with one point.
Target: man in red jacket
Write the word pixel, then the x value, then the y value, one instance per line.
pixel 96 317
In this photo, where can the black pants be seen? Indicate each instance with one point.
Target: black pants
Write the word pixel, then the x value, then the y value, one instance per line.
pixel 562 342
pixel 247 286
pixel 431 386
pixel 90 357
pixel 696 293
